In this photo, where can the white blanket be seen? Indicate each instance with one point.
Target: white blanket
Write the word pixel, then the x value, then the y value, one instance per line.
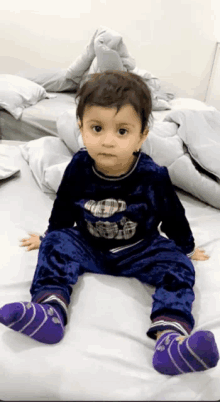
pixel 200 132
pixel 107 51
pixel 187 142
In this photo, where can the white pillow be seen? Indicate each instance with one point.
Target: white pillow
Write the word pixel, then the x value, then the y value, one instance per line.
pixel 17 93
pixel 68 130
pixel 54 174
pixel 43 153
pixel 52 79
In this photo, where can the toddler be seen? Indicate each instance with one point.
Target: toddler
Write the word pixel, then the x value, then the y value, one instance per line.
pixel 111 208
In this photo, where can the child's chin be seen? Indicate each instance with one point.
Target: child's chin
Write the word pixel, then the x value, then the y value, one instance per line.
pixel 103 160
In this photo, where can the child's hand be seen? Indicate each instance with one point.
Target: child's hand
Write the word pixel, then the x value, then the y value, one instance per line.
pixel 33 242
pixel 199 255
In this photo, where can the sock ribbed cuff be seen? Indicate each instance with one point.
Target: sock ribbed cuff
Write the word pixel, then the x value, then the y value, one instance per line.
pixel 54 299
pixel 163 323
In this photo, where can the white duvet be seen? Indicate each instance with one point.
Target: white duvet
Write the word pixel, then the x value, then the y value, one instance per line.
pixel 187 142
pixel 106 50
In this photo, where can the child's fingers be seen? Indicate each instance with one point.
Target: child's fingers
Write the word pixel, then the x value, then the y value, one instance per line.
pixel 25 243
pixel 31 247
pixel 205 256
pixel 25 239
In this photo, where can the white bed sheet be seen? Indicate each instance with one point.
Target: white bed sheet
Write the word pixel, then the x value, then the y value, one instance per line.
pixel 105 354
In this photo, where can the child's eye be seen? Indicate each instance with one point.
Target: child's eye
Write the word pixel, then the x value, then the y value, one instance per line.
pixel 95 126
pixel 123 129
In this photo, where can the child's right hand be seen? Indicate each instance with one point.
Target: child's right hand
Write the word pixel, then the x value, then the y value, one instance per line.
pixel 32 243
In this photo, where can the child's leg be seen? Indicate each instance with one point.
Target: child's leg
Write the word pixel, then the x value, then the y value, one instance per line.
pixel 164 266
pixel 63 256
pixel 179 351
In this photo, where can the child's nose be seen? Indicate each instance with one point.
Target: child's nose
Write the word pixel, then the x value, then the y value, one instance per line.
pixel 108 139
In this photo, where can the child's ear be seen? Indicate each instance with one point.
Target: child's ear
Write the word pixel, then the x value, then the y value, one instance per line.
pixel 146 131
pixel 144 135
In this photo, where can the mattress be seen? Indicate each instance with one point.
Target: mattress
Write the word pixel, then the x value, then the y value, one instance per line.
pixel 105 353
pixel 36 121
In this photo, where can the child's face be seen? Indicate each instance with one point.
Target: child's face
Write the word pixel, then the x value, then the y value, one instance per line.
pixel 110 142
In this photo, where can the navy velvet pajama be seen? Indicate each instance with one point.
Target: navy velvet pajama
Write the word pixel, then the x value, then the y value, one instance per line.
pixel 110 225
pixel 65 254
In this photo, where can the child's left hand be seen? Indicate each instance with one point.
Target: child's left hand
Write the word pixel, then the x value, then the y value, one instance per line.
pixel 199 255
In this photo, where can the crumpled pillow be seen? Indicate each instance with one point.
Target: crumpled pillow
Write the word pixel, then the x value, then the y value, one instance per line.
pixel 43 154
pixel 17 93
pixel 68 130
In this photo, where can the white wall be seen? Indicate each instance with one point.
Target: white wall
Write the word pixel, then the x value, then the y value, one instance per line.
pixel 173 39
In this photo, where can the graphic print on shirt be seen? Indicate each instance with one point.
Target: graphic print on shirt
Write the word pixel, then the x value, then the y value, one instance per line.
pixel 119 227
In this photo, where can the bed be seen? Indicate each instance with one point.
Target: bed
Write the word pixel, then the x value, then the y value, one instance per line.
pixel 105 354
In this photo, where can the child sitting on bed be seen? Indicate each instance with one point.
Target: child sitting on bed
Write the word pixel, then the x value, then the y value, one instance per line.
pixel 105 220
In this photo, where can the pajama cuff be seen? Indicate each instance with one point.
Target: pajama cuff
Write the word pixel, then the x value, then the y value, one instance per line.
pixel 49 297
pixel 43 236
pixel 192 252
pixel 163 323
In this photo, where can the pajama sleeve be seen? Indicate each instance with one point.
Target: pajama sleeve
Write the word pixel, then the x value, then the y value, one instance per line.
pixel 172 215
pixel 63 212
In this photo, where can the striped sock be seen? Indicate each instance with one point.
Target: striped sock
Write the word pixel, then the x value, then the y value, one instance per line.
pixel 41 322
pixel 198 352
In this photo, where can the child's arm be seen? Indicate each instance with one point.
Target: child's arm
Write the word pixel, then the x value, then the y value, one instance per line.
pixel 174 222
pixel 63 214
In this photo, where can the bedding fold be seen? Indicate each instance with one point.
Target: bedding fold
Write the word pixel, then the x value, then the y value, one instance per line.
pixel 200 132
pixel 187 142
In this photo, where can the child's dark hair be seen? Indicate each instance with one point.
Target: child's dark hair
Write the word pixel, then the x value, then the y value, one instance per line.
pixel 115 89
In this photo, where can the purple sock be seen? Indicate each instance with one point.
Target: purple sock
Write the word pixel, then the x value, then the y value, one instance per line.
pixel 198 352
pixel 41 322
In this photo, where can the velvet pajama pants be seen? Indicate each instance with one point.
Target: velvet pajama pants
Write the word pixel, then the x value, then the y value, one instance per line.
pixel 66 254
